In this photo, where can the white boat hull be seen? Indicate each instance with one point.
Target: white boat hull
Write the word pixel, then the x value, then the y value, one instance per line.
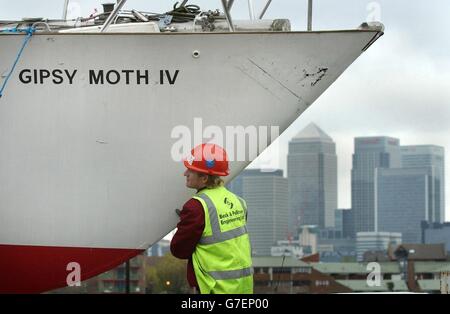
pixel 88 165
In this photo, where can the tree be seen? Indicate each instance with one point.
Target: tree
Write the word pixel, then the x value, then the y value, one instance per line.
pixel 168 276
pixel 390 286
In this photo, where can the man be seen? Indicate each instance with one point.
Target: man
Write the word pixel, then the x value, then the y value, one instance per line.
pixel 212 232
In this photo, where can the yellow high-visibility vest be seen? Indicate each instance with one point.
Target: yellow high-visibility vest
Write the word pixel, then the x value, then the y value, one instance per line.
pixel 222 258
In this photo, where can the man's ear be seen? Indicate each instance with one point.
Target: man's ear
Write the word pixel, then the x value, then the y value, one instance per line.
pixel 204 178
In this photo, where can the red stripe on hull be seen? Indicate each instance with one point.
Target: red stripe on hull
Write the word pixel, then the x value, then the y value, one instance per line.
pixel 35 269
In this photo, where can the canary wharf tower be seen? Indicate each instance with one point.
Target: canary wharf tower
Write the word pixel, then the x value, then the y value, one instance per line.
pixel 312 175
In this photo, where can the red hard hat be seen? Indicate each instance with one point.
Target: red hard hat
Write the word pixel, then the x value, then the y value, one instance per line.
pixel 209 159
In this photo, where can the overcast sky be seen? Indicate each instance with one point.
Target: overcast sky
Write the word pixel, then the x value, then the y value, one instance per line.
pixel 400 87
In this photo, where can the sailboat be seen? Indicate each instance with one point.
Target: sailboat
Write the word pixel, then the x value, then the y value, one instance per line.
pixel 91 110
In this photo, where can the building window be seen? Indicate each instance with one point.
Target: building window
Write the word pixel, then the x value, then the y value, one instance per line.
pixel 301 283
pixel 279 270
pixel 302 270
pixel 322 283
pixel 262 283
pixel 262 270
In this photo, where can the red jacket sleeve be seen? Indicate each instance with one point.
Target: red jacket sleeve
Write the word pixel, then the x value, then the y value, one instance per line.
pixel 190 229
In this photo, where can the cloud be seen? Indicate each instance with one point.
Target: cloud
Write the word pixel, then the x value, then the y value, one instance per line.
pixel 394 89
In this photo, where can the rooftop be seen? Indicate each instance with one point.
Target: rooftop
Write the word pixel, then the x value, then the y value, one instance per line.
pixel 429 284
pixel 277 261
pixel 431 267
pixel 312 133
pixel 420 252
pixel 362 286
pixel 354 268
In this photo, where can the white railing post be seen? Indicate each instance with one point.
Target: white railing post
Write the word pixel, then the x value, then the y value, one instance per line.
pixel 64 15
pixel 251 11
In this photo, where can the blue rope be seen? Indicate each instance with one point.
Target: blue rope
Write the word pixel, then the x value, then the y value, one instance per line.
pixel 29 31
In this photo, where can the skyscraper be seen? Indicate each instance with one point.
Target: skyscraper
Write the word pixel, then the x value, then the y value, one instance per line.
pixel 266 194
pixel 404 199
pixel 348 223
pixel 370 153
pixel 431 156
pixel 312 173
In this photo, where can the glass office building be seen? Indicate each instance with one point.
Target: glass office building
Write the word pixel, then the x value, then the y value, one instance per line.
pixel 404 200
pixel 266 194
pixel 370 153
pixel 312 173
pixel 432 156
